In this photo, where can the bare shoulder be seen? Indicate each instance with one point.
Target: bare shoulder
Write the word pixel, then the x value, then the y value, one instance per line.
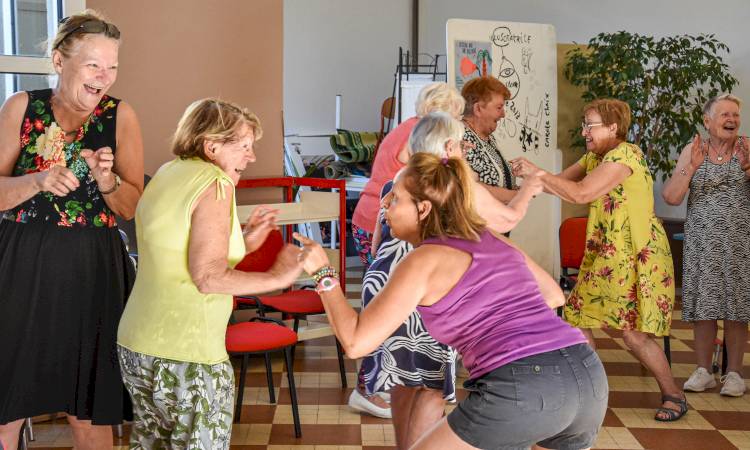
pixel 126 112
pixel 15 106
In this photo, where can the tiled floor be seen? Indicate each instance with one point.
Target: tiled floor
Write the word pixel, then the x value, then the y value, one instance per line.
pixel 714 422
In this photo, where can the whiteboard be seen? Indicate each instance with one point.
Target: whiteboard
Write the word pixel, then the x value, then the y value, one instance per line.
pixel 524 57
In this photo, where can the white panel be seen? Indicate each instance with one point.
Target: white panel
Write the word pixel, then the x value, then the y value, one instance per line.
pixel 524 57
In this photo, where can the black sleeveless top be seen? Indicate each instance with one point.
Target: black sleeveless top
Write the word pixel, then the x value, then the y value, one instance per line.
pixel 43 146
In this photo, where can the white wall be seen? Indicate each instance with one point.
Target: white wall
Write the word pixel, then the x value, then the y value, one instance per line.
pixel 580 20
pixel 347 47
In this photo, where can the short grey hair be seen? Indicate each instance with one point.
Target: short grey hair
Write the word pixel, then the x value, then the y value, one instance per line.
pixel 433 131
pixel 709 106
pixel 439 96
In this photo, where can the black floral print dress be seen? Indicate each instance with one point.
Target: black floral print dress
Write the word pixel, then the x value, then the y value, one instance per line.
pixel 64 279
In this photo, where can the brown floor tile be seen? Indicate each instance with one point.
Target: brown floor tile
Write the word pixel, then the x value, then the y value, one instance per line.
pixel 606 343
pixel 316 396
pixel 255 379
pixel 619 399
pixel 369 447
pixel 372 420
pixel 257 413
pixel 317 435
pixel 626 369
pixel 681 439
pixel 611 420
pixel 725 420
pixel 323 365
pixel 248 447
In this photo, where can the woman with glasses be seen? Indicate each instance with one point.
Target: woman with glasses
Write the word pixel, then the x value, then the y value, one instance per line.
pixel 626 277
pixel 533 378
pixel 71 158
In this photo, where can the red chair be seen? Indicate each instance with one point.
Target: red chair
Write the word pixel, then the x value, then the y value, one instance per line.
pixel 263 335
pixel 295 303
pixel 572 247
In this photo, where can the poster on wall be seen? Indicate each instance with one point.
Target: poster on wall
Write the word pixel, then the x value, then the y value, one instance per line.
pixel 524 57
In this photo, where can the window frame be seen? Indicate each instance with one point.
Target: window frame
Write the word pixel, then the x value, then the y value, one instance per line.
pixel 32 65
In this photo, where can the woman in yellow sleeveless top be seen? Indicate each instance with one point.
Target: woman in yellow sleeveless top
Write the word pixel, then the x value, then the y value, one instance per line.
pixel 171 335
pixel 626 279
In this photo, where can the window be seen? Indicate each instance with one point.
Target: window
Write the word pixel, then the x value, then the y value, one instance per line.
pixel 25 26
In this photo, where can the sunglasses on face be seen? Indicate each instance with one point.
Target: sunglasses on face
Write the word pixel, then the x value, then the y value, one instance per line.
pixel 91 26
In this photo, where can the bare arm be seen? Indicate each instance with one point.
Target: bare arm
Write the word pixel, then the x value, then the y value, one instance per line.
pixel 16 190
pixel 414 278
pixel 377 235
pixel 502 194
pixel 597 183
pixel 549 288
pixel 208 247
pixel 500 217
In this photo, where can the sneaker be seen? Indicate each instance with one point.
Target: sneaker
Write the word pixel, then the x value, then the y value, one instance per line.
pixel 734 385
pixel 359 402
pixel 699 381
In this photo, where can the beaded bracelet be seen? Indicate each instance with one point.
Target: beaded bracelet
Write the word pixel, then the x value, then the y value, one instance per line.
pixel 323 272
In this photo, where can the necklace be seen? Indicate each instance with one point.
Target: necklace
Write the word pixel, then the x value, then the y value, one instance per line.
pixel 719 156
pixel 468 124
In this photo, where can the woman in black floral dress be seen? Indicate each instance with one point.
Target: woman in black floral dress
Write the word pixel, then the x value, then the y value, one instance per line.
pixel 485 106
pixel 70 159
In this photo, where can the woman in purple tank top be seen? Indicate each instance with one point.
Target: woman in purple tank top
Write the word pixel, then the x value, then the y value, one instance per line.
pixel 534 380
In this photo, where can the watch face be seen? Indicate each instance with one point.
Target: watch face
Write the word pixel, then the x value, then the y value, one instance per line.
pixel 327 282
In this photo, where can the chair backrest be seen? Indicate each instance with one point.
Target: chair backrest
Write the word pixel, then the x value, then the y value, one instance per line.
pixel 263 258
pixel 572 242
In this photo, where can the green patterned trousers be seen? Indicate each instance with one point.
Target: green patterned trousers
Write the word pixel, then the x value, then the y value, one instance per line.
pixel 178 405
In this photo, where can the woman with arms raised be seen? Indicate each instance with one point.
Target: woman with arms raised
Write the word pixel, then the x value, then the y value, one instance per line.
pixel 479 294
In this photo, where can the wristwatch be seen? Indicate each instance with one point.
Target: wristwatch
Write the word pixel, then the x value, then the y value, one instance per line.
pixel 118 181
pixel 326 284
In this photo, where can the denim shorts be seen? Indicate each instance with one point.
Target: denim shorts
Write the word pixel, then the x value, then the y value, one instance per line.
pixel 555 399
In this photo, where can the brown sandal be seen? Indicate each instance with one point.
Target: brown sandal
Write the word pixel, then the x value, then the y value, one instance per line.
pixel 672 415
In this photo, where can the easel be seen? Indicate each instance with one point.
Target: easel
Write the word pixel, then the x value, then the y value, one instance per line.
pixel 416 76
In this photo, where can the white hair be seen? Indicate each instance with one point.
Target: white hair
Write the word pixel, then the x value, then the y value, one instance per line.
pixel 439 96
pixel 708 108
pixel 433 131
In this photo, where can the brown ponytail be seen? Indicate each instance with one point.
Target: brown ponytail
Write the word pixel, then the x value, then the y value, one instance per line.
pixel 447 184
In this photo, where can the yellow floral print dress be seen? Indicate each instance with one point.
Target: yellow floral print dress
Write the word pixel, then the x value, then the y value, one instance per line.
pixel 626 279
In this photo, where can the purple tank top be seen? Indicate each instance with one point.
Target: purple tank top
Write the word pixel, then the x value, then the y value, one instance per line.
pixel 495 314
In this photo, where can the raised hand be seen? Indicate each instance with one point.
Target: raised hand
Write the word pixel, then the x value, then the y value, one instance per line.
pixel 313 255
pixel 742 150
pixel 261 222
pixel 697 152
pixel 288 264
pixel 100 162
pixel 533 183
pixel 58 180
pixel 523 168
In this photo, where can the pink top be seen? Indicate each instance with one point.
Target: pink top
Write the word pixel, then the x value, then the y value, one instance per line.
pixel 384 168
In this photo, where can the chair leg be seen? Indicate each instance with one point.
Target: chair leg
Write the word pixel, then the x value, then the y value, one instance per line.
pixel 668 350
pixel 292 391
pixel 118 431
pixel 295 327
pixel 269 378
pixel 724 357
pixel 29 429
pixel 342 367
pixel 241 390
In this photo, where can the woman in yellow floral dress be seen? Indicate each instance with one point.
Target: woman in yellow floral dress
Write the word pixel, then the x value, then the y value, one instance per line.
pixel 626 280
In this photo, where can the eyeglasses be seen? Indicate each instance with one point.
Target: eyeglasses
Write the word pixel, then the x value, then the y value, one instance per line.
pixel 91 26
pixel 588 126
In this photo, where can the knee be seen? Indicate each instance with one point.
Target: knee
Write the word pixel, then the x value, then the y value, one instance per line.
pixel 634 339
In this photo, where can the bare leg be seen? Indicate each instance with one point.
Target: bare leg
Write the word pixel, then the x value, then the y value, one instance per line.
pixel 735 335
pixel 427 410
pixel 652 356
pixel 90 437
pixel 402 402
pixel 9 434
pixel 441 437
pixel 704 332
pixel 589 333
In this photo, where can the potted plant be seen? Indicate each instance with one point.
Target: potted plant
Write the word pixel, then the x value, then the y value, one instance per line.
pixel 665 81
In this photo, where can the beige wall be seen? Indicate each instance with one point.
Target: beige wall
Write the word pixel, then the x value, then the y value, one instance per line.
pixel 177 51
